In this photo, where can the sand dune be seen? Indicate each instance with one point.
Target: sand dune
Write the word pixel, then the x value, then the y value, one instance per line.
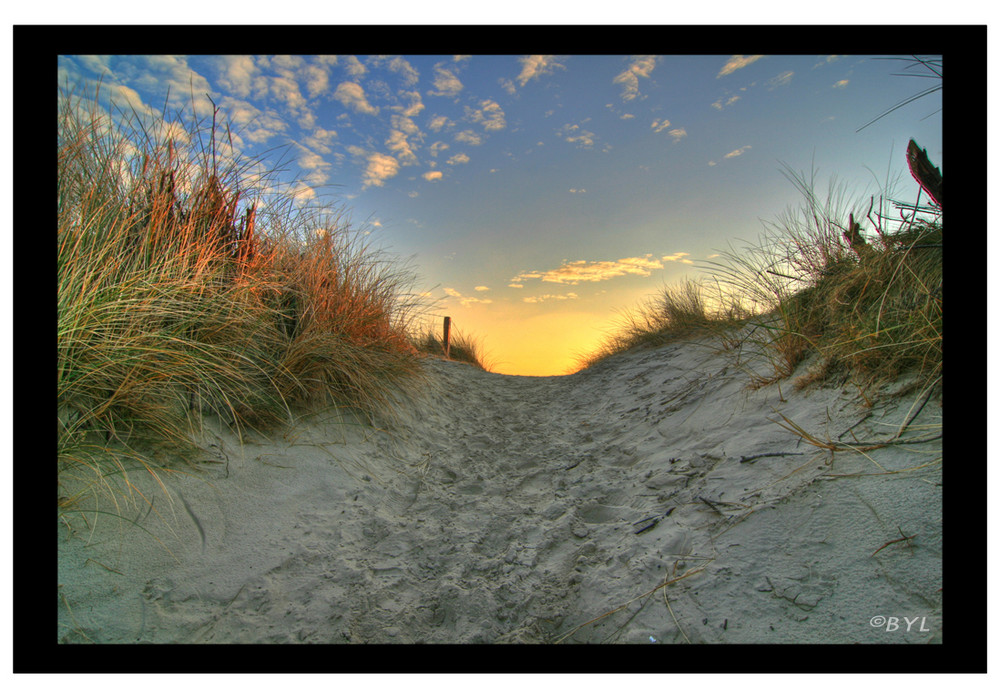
pixel 505 509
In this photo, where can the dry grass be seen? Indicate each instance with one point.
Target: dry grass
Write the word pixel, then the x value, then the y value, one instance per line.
pixel 677 312
pixel 462 348
pixel 867 312
pixel 187 287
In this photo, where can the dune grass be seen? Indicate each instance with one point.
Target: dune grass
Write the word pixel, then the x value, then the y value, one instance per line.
pixel 462 348
pixel 189 286
pixel 864 307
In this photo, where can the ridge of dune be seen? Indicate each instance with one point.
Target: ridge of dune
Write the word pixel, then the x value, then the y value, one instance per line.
pixel 507 509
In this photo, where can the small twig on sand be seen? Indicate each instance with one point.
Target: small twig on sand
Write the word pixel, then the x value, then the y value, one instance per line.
pixel 748 459
pixel 645 594
pixel 894 541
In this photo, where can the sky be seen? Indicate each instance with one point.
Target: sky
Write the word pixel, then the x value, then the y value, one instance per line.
pixel 539 197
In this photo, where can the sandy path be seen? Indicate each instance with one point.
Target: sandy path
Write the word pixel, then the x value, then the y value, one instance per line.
pixel 517 509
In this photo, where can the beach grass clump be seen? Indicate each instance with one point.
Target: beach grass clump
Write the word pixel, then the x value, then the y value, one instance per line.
pixel 856 303
pixel 188 286
pixel 678 311
pixel 462 348
pixel 851 295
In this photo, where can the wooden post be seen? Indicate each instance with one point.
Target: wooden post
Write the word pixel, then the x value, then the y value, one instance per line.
pixel 925 173
pixel 447 337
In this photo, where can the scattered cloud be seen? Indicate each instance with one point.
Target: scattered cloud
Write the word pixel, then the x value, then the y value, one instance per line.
pixel 470 137
pixel 354 67
pixel 660 124
pixel 401 66
pixel 678 257
pixel 380 168
pixel 737 62
pixel 416 104
pixel 533 67
pixel 780 80
pixel 678 134
pixel 317 79
pixel 352 96
pixel 737 153
pixel 439 122
pixel 446 83
pixel 574 134
pixel 578 191
pixel 641 67
pixel 433 175
pixel 719 104
pixel 466 300
pixel 458 159
pixel 398 142
pixel 840 84
pixel 239 75
pixel 489 114
pixel 550 297
pixel 259 126
pixel 584 271
pixel 482 288
pixel 827 60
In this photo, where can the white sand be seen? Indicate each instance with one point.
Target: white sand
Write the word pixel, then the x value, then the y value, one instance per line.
pixel 505 509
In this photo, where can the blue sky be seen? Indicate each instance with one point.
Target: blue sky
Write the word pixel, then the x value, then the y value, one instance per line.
pixel 538 197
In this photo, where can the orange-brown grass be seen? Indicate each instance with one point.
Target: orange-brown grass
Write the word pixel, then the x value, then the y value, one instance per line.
pixel 187 287
pixel 462 348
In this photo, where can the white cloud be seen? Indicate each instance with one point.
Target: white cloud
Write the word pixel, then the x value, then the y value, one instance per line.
pixel 490 115
pixel 458 159
pixel 287 90
pixel 317 79
pixel 719 104
pixel 416 104
pixel 400 145
pixel 840 84
pixel 641 67
pixel 550 297
pixel 446 83
pixel 469 137
pixel 439 122
pixel 533 67
pixel 678 134
pixel 574 134
pixel 380 168
pixel 780 80
pixel 401 66
pixel 354 67
pixel 466 300
pixel 238 75
pixel 660 124
pixel 584 271
pixel 738 152
pixel 432 175
pixel 737 62
pixel 352 96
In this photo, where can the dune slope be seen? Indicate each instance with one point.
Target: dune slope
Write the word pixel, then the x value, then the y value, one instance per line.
pixel 522 509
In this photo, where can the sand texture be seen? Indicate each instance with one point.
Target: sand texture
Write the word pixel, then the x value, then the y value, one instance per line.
pixel 505 509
